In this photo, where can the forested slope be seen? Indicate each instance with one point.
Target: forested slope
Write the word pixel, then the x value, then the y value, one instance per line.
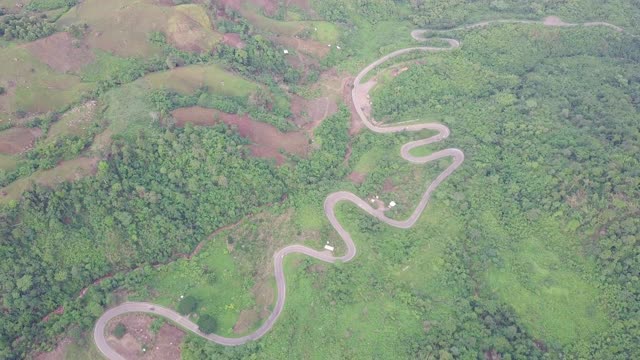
pixel 549 121
pixel 153 199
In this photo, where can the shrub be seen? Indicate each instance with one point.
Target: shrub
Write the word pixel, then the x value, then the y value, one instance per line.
pixel 207 324
pixel 187 305
pixel 119 330
pixel 45 5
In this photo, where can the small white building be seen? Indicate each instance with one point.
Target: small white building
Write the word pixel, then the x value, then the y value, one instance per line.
pixel 285 51
pixel 329 247
pixel 392 204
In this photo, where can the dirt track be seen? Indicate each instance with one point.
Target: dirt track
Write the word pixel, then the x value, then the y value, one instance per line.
pixel 359 98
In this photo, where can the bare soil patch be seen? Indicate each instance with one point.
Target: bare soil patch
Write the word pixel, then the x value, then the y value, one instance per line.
pixel 356 124
pixel 267 140
pixel 356 177
pixel 62 52
pixel 264 295
pixel 233 40
pixel 554 21
pixel 18 140
pixel 310 113
pixel 165 345
pixel 245 321
pixel 388 185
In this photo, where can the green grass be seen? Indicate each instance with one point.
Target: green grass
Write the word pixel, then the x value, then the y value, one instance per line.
pixel 188 79
pixel 222 298
pixel 326 33
pixel 541 284
pixel 78 121
pixel 124 26
pixel 105 66
pixel 127 109
pixel 8 162
pixel 355 329
pixel 310 216
pixel 65 171
pixel 367 162
pixel 370 42
pixel 38 87
pixel 83 349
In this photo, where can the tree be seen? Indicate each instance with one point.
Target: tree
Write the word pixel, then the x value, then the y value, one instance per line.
pixel 187 305
pixel 119 330
pixel 207 324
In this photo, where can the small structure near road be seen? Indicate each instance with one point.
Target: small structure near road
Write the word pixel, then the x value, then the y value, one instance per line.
pixel 329 247
pixel 392 204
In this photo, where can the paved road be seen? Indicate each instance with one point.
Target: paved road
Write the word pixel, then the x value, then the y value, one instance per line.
pixel 332 200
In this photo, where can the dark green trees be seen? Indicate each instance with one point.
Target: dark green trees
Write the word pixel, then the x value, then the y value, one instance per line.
pixel 207 324
pixel 187 305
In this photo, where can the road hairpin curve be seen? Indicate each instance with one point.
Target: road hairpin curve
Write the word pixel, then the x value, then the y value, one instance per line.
pixel 359 98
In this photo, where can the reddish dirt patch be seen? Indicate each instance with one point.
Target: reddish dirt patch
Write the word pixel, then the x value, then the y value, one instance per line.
pixel 17 140
pixel 310 113
pixel 264 295
pixel 397 71
pixel 356 123
pixel 245 321
pixel 356 177
pixel 267 140
pixel 233 40
pixel 61 52
pixel 164 345
pixel 554 21
pixel 388 185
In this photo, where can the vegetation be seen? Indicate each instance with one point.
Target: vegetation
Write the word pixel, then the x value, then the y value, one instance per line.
pixel 541 165
pixel 207 324
pixel 44 5
pixel 25 27
pixel 119 331
pixel 164 190
pixel 187 305
pixel 528 251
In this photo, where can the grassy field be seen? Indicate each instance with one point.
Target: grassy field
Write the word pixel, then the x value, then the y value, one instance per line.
pixel 65 171
pixel 109 20
pixel 188 79
pixel 212 278
pixel 323 31
pixel 8 162
pixel 35 86
pixel 503 238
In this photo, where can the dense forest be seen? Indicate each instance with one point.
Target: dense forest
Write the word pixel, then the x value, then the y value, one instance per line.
pixel 154 198
pixel 555 124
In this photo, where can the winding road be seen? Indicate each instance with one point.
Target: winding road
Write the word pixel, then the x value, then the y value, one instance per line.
pixel 359 98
